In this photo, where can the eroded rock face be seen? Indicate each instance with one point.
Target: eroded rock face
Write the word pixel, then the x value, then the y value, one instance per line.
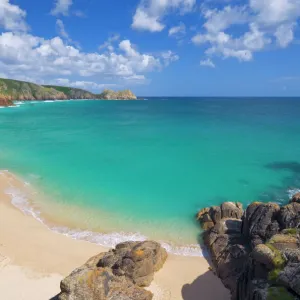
pixel 225 241
pixel 260 222
pixel 257 254
pixel 118 274
pixel 290 277
pixel 5 101
pixel 289 216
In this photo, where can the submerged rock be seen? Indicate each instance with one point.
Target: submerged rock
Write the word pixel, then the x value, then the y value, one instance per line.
pixel 118 274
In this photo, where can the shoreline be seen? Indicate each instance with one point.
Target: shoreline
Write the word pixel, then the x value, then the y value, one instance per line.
pixel 35 254
pixel 23 196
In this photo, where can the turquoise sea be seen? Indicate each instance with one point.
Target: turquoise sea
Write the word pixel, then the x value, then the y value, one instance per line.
pixel 107 170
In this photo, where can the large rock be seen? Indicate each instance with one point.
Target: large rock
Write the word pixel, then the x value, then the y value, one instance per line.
pixel 100 284
pixel 283 242
pixel 289 215
pixel 210 216
pixel 135 260
pixel 257 256
pixel 260 222
pixel 231 210
pixel 224 240
pixel 118 274
pixel 290 277
pixel 296 198
pixel 267 256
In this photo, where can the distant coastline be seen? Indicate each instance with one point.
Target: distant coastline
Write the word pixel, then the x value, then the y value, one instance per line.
pixel 14 90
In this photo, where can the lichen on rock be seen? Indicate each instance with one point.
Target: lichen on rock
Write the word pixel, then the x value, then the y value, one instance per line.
pixel 119 274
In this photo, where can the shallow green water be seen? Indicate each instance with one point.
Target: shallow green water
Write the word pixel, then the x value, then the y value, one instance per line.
pixel 148 166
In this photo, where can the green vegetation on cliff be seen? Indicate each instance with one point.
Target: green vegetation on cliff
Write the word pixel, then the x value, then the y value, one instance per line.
pixel 72 93
pixel 11 90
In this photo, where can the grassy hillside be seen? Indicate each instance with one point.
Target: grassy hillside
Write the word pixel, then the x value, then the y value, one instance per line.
pixel 72 93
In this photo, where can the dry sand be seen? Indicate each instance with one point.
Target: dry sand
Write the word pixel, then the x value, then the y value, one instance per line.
pixel 34 259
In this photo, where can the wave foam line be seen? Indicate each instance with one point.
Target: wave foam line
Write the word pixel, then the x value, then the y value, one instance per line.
pixel 292 192
pixel 20 201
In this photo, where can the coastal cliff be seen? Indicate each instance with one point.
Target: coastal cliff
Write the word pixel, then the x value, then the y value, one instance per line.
pixel 11 90
pixel 256 252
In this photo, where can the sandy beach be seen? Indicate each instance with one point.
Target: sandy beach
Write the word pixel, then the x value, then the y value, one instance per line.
pixel 34 259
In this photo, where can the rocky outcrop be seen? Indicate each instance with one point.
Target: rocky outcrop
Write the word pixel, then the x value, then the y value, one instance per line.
pixel 296 198
pixel 120 95
pixel 256 252
pixel 119 274
pixel 5 102
pixel 11 90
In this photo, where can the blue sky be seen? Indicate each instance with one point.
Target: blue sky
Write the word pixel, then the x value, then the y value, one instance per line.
pixel 155 47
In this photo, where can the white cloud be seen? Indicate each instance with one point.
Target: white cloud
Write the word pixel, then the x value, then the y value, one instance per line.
pixel 149 13
pixel 109 43
pixel 285 34
pixel 266 21
pixel 219 20
pixel 273 12
pixel 255 40
pixel 61 29
pixel 41 58
pixel 12 17
pixel 128 48
pixel 278 18
pixel 218 38
pixel 177 31
pixel 169 57
pixel 86 85
pixel 62 7
pixel 207 63
pixel 143 21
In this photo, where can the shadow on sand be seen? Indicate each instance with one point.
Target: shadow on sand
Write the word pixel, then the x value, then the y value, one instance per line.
pixel 205 287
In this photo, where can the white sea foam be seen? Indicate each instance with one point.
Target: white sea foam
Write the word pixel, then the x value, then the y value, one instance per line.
pixel 20 200
pixel 292 192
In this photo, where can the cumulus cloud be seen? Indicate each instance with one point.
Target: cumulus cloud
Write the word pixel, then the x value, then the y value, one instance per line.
pixel 273 12
pixel 177 31
pixel 220 20
pixel 266 21
pixel 12 17
pixel 207 63
pixel 61 7
pixel 149 13
pixel 39 57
